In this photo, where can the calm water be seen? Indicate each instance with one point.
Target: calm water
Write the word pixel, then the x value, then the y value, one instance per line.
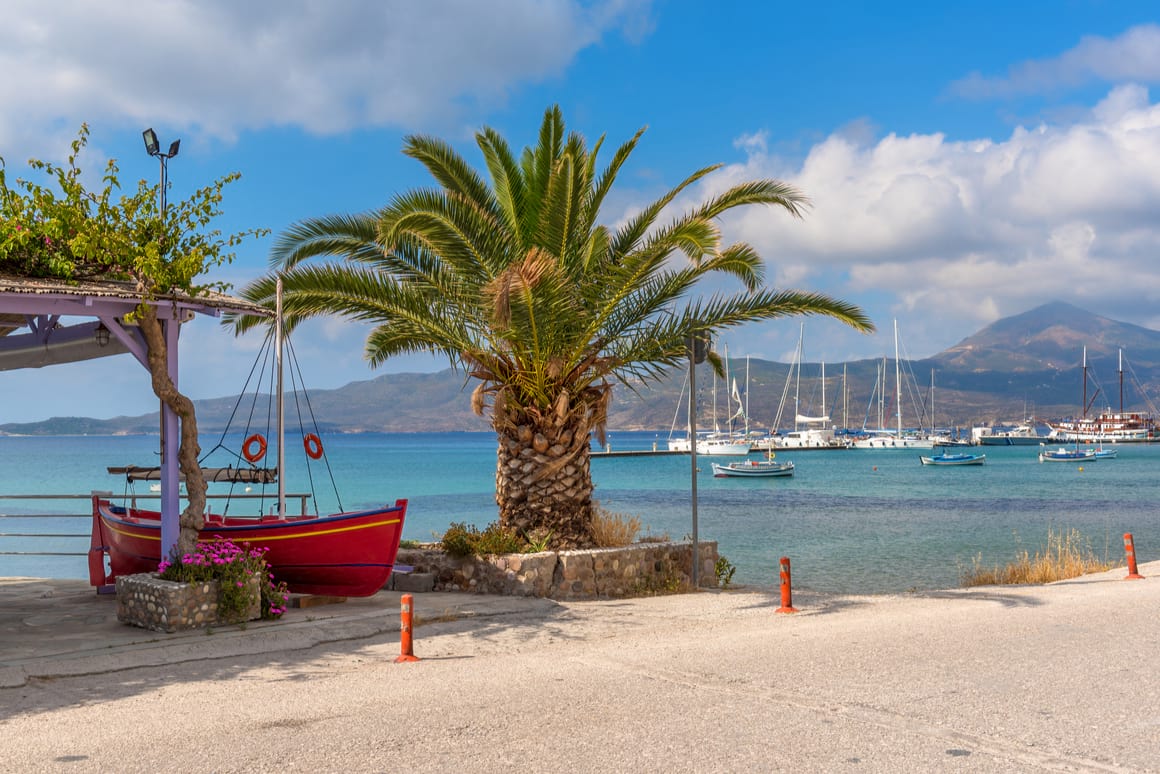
pixel 851 521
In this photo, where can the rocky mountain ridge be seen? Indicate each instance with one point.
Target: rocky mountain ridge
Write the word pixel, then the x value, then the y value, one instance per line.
pixel 1027 364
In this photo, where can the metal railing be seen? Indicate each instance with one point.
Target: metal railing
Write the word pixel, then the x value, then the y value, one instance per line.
pixel 129 499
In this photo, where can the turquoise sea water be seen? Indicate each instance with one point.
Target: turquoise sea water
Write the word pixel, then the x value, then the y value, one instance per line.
pixel 851 521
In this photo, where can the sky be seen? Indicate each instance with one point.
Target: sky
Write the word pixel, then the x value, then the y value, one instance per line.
pixel 964 161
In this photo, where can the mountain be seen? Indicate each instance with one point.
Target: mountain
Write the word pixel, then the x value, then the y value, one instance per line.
pixel 1027 364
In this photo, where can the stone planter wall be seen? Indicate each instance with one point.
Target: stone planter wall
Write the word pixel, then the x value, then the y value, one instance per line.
pixel 167 606
pixel 636 570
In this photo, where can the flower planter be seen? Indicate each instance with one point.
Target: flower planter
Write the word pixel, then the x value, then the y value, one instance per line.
pixel 167 606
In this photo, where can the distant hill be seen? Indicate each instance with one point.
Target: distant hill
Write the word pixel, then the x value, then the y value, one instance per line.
pixel 1028 363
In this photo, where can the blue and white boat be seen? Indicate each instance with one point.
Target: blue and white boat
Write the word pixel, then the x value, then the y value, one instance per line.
pixel 1064 454
pixel 754 469
pixel 957 458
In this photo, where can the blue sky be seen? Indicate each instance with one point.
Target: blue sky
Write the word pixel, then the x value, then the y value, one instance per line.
pixel 965 162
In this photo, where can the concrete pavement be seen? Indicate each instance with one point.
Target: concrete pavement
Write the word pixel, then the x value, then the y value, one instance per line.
pixel 1010 679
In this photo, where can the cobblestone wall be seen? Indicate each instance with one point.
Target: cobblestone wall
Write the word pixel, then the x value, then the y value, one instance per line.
pixel 636 570
pixel 166 606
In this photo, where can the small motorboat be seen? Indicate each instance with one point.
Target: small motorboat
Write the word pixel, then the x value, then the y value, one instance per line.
pixel 1063 454
pixel 754 469
pixel 958 458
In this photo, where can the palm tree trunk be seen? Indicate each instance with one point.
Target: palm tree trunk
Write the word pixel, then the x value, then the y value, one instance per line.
pixel 543 484
pixel 193 517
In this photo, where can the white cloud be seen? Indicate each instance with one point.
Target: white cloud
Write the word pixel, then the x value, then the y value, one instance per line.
pixel 975 230
pixel 328 67
pixel 1132 56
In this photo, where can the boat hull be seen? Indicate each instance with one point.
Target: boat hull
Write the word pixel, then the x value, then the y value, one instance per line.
pixel 1009 440
pixel 345 554
pixel 753 469
pixel 722 448
pixel 954 459
pixel 1066 455
pixel 888 442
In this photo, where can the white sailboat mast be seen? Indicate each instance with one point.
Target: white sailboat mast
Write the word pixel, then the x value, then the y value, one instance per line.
pixel 897 382
pixel 845 401
pixel 797 409
pixel 823 388
pixel 747 396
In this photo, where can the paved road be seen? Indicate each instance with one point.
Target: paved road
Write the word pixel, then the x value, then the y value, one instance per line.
pixel 1000 679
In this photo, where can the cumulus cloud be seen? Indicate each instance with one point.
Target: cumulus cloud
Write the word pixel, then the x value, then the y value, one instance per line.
pixel 1132 56
pixel 974 229
pixel 226 66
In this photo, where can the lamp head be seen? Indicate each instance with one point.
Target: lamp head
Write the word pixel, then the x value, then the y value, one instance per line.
pixel 151 144
pixel 101 335
pixel 173 146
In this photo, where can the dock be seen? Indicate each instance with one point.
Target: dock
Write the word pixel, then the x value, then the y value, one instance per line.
pixel 653 452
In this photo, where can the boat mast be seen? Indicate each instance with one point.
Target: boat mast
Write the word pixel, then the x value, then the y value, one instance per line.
pixel 797 409
pixel 933 429
pixel 747 396
pixel 281 409
pixel 897 382
pixel 1121 383
pixel 1084 372
pixel 823 388
pixel 845 400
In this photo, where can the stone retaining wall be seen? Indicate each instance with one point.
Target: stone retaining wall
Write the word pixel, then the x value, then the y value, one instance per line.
pixel 636 570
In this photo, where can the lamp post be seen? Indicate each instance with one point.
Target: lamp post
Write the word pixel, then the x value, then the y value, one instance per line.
pixel 154 149
pixel 170 475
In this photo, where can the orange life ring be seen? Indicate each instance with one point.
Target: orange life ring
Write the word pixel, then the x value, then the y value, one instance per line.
pixel 250 454
pixel 313 445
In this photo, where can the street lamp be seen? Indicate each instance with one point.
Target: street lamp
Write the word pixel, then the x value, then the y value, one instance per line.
pixel 154 149
pixel 101 335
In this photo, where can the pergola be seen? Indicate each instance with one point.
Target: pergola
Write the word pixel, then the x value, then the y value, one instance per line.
pixel 35 331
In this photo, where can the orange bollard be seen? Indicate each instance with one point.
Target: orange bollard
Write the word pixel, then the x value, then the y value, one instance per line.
pixel 408 651
pixel 1130 550
pixel 786 591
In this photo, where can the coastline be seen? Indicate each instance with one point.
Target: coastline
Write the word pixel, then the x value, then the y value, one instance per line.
pixel 1021 678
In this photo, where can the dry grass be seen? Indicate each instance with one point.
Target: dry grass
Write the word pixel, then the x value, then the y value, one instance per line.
pixel 613 530
pixel 1065 556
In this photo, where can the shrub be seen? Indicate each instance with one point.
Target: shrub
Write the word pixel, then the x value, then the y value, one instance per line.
pixel 724 569
pixel 463 540
pixel 613 530
pixel 1065 556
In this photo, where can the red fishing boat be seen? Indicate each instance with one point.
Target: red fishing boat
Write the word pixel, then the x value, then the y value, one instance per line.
pixel 344 554
pixel 347 554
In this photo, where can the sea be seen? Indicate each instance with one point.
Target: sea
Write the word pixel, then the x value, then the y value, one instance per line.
pixel 854 521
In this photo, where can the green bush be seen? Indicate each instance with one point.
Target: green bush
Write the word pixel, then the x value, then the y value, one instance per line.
pixel 725 570
pixel 466 540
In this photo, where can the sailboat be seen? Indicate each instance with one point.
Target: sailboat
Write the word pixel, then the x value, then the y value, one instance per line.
pixel 809 432
pixel 725 444
pixel 676 443
pixel 1108 426
pixel 348 554
pixel 888 439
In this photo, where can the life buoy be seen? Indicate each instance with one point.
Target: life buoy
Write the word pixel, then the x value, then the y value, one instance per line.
pixel 313 445
pixel 250 454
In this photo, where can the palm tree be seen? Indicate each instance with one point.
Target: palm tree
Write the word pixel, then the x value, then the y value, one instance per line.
pixel 524 290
